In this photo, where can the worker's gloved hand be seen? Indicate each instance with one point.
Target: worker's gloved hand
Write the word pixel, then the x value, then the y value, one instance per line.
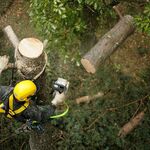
pixel 60 89
pixel 3 62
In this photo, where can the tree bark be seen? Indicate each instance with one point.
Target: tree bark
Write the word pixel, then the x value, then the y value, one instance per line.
pixel 12 37
pixel 108 44
pixel 30 60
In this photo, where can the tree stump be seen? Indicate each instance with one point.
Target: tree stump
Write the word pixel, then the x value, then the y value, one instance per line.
pixel 108 44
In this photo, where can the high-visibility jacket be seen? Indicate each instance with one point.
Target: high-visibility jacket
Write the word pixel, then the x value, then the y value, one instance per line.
pixel 22 111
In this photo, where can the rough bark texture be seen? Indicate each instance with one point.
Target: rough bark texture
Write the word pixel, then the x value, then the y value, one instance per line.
pixel 29 68
pixel 33 68
pixel 108 44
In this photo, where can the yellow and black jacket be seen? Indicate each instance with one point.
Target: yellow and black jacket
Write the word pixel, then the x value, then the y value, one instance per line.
pixel 22 111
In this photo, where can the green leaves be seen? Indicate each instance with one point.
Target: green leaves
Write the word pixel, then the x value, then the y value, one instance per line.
pixel 55 17
pixel 143 20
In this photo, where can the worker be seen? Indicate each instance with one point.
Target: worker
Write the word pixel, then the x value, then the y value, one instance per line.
pixel 18 101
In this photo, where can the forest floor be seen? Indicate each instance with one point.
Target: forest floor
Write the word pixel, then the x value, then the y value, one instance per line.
pixel 130 58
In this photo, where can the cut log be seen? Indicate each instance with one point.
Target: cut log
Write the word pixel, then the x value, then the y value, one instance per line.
pixel 87 99
pixel 30 58
pixel 11 35
pixel 108 44
pixel 132 124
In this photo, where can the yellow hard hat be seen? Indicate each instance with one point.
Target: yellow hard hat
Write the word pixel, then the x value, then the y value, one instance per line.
pixel 24 89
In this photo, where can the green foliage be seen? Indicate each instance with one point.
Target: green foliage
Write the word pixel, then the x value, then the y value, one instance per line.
pixel 62 20
pixel 60 17
pixel 92 126
pixel 143 20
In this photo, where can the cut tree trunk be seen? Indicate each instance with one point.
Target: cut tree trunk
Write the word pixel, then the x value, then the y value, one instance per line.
pixel 108 44
pixel 31 62
pixel 30 58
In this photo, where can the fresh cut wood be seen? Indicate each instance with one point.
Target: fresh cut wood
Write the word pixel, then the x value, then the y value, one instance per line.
pixel 132 124
pixel 30 58
pixel 108 44
pixel 88 98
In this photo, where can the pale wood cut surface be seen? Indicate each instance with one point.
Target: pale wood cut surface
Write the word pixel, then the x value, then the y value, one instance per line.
pixel 30 47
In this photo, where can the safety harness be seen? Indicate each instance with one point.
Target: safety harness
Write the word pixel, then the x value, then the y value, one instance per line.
pixel 11 111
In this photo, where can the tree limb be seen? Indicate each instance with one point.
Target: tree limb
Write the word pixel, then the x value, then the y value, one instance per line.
pixel 87 99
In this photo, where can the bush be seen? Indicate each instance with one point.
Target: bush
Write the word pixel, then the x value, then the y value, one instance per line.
pixel 143 20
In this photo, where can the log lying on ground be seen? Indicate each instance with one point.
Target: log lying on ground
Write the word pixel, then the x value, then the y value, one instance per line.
pixel 87 99
pixel 132 124
pixel 108 44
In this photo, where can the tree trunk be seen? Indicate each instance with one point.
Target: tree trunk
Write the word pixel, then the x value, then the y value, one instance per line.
pixel 31 62
pixel 30 58
pixel 108 44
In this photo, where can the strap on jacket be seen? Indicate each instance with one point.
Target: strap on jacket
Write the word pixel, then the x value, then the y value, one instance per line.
pixel 11 111
pixel 1 108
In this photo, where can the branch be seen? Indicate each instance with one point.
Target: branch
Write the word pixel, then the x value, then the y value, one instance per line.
pixel 132 124
pixel 87 99
pixel 11 36
pixel 118 11
pixel 114 109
